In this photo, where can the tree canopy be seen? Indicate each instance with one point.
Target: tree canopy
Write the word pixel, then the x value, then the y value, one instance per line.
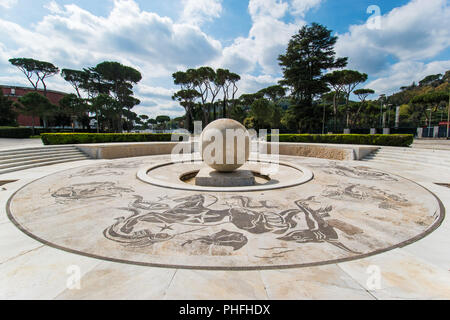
pixel 34 68
pixel 309 54
pixel 206 84
pixel 7 114
pixel 35 105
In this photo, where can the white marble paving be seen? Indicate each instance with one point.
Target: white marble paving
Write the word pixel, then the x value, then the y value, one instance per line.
pixel 211 285
pixel 29 270
pixel 40 274
pixel 110 280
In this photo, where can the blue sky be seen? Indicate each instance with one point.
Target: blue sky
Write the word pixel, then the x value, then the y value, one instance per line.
pixel 411 40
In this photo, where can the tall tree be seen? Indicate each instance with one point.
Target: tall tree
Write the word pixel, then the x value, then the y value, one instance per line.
pixel 434 79
pixel 186 98
pixel 163 120
pixel 336 81
pixel 7 114
pixel 273 93
pixel 102 105
pixel 362 95
pixel 121 80
pixel 350 80
pixel 214 88
pixel 202 80
pixel 228 82
pixel 34 105
pixel 77 78
pixel 233 79
pixel 261 111
pixel 74 107
pixel 429 101
pixel 309 54
pixel 35 68
pixel 247 99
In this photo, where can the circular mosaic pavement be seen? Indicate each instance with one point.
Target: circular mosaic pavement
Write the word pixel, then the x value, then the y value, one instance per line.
pixel 346 212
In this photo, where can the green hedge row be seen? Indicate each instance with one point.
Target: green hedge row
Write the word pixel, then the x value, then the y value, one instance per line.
pixel 86 138
pixel 396 140
pixel 15 132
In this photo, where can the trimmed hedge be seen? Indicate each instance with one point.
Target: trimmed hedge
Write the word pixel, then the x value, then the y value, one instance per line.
pixel 395 140
pixel 86 138
pixel 15 132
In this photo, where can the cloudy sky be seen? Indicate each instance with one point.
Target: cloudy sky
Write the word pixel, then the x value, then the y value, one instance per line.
pixel 410 40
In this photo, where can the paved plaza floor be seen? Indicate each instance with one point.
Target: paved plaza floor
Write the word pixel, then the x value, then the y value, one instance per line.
pixel 7 144
pixel 357 231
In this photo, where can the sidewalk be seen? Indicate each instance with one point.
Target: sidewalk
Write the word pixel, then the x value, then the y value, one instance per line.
pixel 7 144
pixel 436 144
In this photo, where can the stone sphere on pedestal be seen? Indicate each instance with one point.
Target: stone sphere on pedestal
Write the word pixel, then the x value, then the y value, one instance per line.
pixel 225 145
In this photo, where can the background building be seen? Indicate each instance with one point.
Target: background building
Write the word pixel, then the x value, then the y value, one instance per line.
pixel 14 92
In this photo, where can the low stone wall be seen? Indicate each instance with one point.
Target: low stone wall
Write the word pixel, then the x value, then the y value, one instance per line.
pixel 130 150
pixel 324 151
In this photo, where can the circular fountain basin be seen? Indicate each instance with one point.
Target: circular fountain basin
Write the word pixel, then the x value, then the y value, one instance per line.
pixel 270 175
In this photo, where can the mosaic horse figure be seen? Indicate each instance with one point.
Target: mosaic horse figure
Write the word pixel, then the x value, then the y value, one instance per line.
pixel 319 230
pixel 192 213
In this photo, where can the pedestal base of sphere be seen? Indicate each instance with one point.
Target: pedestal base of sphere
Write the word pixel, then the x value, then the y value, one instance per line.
pixel 208 177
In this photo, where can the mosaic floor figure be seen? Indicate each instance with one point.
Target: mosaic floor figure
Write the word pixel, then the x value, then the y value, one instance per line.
pixel 347 212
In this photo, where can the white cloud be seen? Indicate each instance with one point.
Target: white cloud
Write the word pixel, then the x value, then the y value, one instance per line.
pixel 197 12
pixel 7 4
pixel 415 31
pixel 405 73
pixel 267 38
pixel 267 8
pixel 252 84
pixel 139 38
pixel 150 91
pixel 72 37
pixel 300 7
pixel 53 7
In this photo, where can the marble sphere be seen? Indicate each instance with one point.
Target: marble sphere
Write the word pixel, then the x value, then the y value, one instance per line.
pixel 225 145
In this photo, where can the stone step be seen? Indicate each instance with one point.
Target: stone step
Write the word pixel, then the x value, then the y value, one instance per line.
pixel 36 155
pixel 420 163
pixel 41 164
pixel 419 154
pixel 41 160
pixel 414 151
pixel 36 150
pixel 413 158
pixel 390 161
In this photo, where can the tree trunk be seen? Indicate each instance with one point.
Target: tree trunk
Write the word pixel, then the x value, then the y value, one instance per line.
pixel 224 111
pixel 32 124
pixel 335 113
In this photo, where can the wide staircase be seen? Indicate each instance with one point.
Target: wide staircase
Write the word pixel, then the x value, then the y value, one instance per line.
pixel 411 156
pixel 22 159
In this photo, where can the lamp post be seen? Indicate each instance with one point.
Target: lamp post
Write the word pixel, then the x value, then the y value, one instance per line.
pixel 448 118
pixel 382 101
pixel 389 115
pixel 381 115
pixel 324 118
pixel 429 127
